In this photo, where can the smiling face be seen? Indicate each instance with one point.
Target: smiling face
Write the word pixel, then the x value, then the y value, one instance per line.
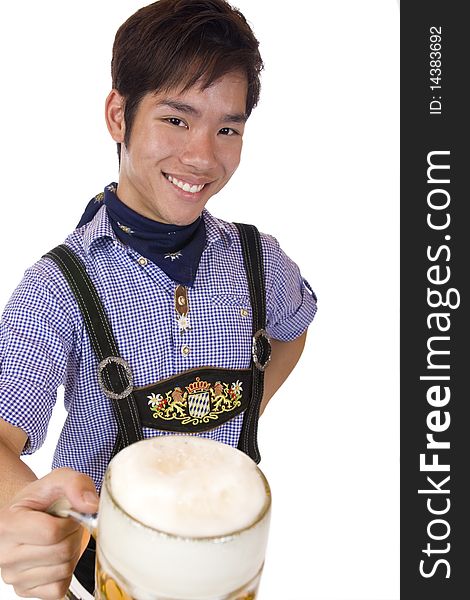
pixel 183 148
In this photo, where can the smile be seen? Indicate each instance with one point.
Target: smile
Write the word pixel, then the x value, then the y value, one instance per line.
pixel 184 185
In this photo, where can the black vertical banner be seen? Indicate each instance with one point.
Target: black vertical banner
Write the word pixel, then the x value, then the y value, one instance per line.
pixel 435 314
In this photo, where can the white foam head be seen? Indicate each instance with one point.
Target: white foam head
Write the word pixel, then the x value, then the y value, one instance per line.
pixel 188 486
pixel 203 505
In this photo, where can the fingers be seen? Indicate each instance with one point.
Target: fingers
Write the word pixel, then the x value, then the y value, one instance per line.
pixel 49 580
pixel 25 556
pixel 52 590
pixel 38 577
pixel 78 488
pixel 38 552
pixel 28 527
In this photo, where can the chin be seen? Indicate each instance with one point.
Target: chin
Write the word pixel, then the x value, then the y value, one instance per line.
pixel 184 217
pixel 182 222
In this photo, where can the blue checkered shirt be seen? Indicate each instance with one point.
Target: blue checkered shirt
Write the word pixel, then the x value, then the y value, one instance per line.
pixel 43 342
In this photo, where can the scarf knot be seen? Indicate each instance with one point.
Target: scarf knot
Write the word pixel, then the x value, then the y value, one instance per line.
pixel 175 249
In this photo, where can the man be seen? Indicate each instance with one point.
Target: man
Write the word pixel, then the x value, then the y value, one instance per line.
pixel 169 293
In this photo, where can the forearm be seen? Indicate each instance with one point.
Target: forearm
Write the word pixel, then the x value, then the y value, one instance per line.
pixel 14 474
pixel 284 357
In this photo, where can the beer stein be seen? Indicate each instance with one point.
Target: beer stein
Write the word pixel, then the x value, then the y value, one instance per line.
pixel 180 518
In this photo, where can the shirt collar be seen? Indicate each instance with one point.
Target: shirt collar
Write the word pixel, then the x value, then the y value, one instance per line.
pixel 100 227
pixel 217 230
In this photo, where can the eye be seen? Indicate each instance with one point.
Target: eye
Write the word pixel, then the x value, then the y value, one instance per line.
pixel 228 131
pixel 176 121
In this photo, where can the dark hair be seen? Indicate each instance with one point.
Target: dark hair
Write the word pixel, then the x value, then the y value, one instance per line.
pixel 177 43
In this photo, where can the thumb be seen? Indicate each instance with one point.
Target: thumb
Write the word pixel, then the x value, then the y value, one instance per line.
pixel 78 488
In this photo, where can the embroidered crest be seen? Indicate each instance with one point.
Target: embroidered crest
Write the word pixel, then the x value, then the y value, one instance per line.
pixel 199 402
pixel 99 197
pixel 198 398
pixel 173 255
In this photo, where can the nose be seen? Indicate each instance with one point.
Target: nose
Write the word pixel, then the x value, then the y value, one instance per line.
pixel 199 151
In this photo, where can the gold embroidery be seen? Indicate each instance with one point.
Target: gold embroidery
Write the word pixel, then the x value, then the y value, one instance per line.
pixel 199 402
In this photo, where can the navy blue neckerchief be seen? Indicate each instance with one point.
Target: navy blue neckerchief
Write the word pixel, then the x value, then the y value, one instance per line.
pixel 176 249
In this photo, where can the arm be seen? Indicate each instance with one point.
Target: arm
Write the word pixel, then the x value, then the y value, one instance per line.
pixel 38 552
pixel 15 474
pixel 284 357
pixel 290 308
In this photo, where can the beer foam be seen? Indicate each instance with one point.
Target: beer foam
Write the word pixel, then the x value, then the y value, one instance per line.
pixel 212 500
pixel 188 486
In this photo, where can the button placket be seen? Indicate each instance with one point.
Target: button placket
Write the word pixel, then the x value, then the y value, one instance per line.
pixel 182 308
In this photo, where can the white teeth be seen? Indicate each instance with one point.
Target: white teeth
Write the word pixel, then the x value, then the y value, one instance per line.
pixel 186 187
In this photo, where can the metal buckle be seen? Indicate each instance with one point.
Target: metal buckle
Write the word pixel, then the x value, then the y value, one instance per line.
pixel 119 361
pixel 261 333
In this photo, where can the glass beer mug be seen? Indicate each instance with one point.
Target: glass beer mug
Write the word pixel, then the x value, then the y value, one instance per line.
pixel 180 518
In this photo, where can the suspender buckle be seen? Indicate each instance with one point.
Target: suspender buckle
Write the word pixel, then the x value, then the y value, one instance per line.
pixel 261 349
pixel 127 370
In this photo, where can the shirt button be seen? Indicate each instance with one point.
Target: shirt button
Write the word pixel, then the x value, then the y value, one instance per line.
pixel 185 350
pixel 143 261
pixel 244 312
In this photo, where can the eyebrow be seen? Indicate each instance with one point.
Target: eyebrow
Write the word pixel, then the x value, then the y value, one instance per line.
pixel 191 110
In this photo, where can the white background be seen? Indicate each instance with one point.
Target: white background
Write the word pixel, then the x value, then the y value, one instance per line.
pixel 320 172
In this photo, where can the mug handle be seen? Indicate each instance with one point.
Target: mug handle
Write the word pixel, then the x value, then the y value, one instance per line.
pixel 62 508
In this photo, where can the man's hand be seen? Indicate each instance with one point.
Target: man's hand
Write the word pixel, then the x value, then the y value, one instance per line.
pixel 39 552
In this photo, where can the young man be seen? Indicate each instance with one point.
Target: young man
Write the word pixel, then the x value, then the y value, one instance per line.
pixel 172 296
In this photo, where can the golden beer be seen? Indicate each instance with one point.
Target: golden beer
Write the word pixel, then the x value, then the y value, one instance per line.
pixel 109 589
pixel 181 518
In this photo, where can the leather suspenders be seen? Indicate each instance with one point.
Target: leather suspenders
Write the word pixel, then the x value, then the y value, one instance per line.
pixel 261 347
pixel 114 373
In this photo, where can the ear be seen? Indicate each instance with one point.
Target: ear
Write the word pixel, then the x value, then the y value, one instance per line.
pixel 114 114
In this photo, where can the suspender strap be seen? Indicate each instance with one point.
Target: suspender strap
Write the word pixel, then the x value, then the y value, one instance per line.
pixel 115 376
pixel 261 347
pixel 114 373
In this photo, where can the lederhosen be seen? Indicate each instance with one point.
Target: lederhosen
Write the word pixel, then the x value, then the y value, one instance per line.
pixel 193 401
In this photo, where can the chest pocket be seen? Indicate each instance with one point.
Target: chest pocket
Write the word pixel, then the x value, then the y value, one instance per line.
pixel 231 318
pixel 238 302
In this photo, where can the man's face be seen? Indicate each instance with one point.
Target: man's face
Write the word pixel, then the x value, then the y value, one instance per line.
pixel 183 149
